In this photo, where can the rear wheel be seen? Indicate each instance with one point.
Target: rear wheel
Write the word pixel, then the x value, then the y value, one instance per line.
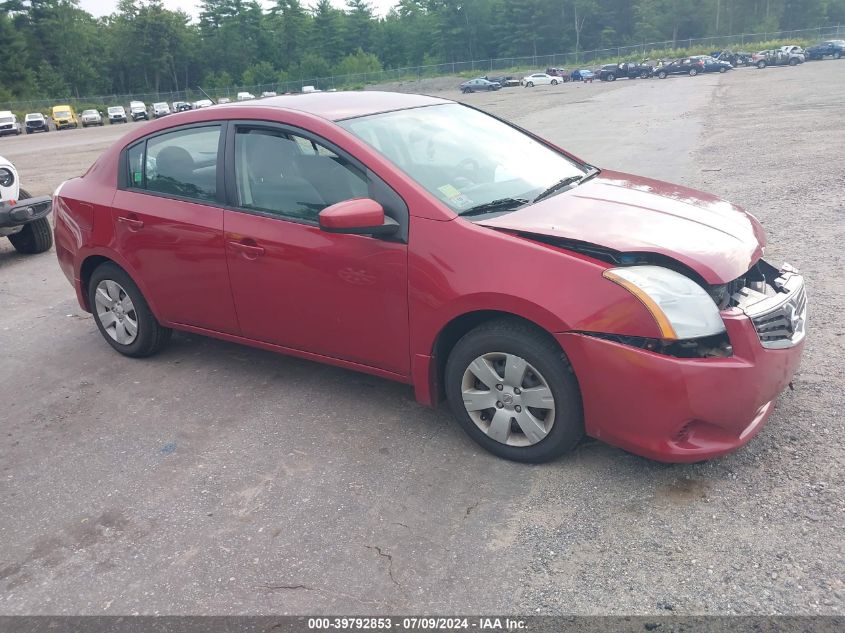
pixel 36 237
pixel 761 64
pixel 793 61
pixel 513 392
pixel 530 84
pixel 662 74
pixel 122 314
pixel 554 82
pixel 693 72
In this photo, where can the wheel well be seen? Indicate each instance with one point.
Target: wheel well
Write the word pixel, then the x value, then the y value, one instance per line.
pixel 453 331
pixel 87 269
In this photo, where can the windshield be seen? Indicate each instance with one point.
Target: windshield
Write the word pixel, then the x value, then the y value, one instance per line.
pixel 117 110
pixel 34 117
pixel 465 158
pixel 89 112
pixel 6 119
pixel 160 106
pixel 62 114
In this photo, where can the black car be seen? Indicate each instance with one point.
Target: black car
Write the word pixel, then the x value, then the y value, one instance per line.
pixel 713 65
pixel 735 59
pixel 834 48
pixel 36 122
pixel 505 81
pixel 684 66
pixel 631 70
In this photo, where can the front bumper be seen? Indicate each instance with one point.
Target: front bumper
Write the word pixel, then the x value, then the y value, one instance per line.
pixel 24 211
pixel 680 409
pixel 9 130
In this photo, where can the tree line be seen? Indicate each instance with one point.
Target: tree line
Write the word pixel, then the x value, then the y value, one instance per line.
pixel 54 48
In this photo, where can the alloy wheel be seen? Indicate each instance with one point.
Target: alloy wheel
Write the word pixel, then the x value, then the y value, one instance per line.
pixel 116 312
pixel 508 399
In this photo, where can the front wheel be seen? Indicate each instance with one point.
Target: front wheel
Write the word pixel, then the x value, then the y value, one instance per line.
pixel 530 84
pixel 793 61
pixel 554 82
pixel 611 77
pixel 761 64
pixel 514 393
pixel 693 72
pixel 722 69
pixel 122 314
pixel 661 75
pixel 36 237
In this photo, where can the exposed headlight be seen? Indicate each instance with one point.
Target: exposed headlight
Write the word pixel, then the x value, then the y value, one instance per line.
pixel 681 308
pixel 7 177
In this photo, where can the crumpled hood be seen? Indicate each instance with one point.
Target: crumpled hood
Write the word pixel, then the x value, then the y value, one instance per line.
pixel 628 213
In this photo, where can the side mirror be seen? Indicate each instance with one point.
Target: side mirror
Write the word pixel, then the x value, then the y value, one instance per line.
pixel 360 216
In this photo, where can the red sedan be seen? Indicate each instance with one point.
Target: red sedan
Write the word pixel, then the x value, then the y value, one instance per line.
pixel 424 241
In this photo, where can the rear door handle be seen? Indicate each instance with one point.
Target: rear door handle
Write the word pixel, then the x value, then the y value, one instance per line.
pixel 133 223
pixel 249 251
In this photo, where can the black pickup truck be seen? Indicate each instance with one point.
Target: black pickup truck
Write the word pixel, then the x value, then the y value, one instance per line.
pixel 832 48
pixel 631 70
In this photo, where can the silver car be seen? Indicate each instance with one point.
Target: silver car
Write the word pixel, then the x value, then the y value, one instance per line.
pixel 91 117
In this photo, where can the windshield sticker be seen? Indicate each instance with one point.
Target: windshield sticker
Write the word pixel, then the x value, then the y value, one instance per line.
pixel 456 198
pixel 449 191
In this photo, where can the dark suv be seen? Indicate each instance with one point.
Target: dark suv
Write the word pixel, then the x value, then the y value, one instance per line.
pixel 631 70
pixel 834 48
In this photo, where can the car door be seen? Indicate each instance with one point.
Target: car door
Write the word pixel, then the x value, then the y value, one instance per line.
pixel 337 295
pixel 168 225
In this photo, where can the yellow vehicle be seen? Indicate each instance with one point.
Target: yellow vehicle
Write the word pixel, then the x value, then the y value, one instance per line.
pixel 64 117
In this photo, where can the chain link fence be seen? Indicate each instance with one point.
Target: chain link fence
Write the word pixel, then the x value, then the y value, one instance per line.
pixel 636 52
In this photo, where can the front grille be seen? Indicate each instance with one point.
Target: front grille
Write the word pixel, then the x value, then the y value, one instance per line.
pixel 777 307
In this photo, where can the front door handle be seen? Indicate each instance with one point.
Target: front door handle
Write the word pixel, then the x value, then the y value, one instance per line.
pixel 249 251
pixel 133 223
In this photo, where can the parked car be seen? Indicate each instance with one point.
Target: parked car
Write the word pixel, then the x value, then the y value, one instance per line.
pixel 202 103
pixel 713 65
pixel 540 79
pixel 735 59
pixel 783 56
pixel 36 122
pixel 685 66
pixel 479 85
pixel 23 219
pixel 268 93
pixel 64 117
pixel 117 114
pixel 160 109
pixel 9 123
pixel 224 100
pixel 181 106
pixel 582 74
pixel 631 70
pixel 91 117
pixel 308 89
pixel 832 48
pixel 562 73
pixel 505 81
pixel 245 96
pixel 356 237
pixel 138 111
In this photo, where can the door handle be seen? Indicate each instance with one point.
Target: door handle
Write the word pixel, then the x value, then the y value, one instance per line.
pixel 249 251
pixel 133 223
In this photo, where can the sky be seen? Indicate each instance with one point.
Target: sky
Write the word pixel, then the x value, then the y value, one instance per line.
pixel 105 7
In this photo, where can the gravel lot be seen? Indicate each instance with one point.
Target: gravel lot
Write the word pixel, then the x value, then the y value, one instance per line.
pixel 220 479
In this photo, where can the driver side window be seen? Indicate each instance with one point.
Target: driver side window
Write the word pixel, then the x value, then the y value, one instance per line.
pixel 288 175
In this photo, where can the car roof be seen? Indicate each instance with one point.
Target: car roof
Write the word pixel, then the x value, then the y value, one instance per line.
pixel 336 106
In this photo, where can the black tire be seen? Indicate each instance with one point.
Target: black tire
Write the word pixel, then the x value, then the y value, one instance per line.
pixel 761 64
pixel 542 352
pixel 530 84
pixel 554 82
pixel 662 74
pixel 722 69
pixel 611 77
pixel 36 237
pixel 693 72
pixel 793 61
pixel 151 337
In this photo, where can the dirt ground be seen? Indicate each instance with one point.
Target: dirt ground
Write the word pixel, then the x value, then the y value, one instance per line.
pixel 219 479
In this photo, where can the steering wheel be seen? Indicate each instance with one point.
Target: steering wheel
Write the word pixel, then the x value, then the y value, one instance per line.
pixel 468 165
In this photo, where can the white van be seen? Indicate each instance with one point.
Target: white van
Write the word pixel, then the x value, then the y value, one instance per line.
pixel 138 110
pixel 160 109
pixel 245 96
